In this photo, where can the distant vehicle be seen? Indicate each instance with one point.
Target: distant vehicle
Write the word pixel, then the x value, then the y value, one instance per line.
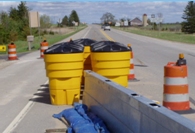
pixel 102 26
pixel 107 27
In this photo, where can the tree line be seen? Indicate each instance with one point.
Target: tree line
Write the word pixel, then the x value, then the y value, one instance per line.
pixel 187 26
pixel 14 24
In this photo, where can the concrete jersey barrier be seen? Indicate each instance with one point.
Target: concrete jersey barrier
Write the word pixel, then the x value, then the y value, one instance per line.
pixel 124 111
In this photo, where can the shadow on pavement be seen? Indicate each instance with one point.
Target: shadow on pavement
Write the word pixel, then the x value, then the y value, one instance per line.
pixel 141 65
pixel 190 111
pixel 5 56
pixel 42 95
pixel 192 100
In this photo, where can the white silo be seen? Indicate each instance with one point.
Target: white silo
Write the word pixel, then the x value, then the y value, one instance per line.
pixel 145 20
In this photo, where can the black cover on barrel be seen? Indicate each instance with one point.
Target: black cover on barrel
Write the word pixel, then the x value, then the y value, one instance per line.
pixel 109 46
pixel 85 41
pixel 65 47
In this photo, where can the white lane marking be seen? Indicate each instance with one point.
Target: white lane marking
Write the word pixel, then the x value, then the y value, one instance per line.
pixel 20 116
pixel 86 33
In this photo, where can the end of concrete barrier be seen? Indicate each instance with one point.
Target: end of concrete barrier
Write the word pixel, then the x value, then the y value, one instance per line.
pixel 125 111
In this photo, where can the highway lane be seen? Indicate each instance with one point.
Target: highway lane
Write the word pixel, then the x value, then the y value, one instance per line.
pixel 150 57
pixel 24 98
pixel 22 81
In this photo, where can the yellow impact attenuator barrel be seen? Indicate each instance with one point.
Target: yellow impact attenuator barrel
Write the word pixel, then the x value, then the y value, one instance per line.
pixel 113 65
pixel 87 61
pixel 86 42
pixel 64 72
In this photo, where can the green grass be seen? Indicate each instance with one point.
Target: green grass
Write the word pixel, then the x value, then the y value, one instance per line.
pixel 22 46
pixel 165 35
pixel 168 26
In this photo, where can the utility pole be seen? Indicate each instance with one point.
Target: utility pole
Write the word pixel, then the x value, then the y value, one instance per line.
pixel 152 19
pixel 59 26
pixel 159 19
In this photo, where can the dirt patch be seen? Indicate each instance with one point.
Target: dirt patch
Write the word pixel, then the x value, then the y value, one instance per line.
pixel 62 30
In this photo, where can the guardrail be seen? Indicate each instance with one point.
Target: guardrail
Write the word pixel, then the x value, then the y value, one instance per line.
pixel 124 111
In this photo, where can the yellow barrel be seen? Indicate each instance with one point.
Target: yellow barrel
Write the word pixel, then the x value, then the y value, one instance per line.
pixel 87 61
pixel 64 72
pixel 86 42
pixel 61 97
pixel 113 65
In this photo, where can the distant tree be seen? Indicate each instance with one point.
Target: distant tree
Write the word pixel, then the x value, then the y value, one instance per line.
pixel 4 18
pixel 70 20
pixel 23 10
pixel 4 27
pixel 14 24
pixel 188 25
pixel 45 21
pixel 65 21
pixel 155 26
pixel 107 18
pixel 73 17
pixel 149 21
pixel 23 22
pixel 13 31
pixel 122 19
pixel 13 13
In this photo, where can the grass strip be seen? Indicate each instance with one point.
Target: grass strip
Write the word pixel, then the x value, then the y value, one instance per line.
pixel 22 46
pixel 165 35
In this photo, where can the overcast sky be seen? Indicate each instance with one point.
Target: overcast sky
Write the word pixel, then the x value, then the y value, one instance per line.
pixel 91 12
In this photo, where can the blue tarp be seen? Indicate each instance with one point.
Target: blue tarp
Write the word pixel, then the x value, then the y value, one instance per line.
pixel 81 120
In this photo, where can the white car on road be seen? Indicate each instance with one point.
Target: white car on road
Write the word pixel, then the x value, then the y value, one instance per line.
pixel 107 27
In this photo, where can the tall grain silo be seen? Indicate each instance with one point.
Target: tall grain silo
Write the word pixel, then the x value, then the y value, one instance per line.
pixel 145 20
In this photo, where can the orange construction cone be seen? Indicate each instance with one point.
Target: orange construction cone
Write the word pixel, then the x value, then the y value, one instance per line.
pixel 131 75
pixel 12 52
pixel 70 40
pixel 44 46
pixel 176 93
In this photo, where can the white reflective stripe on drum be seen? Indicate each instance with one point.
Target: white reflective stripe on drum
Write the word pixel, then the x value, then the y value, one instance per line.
pixel 175 81
pixel 12 55
pixel 175 97
pixel 131 71
pixel 41 53
pixel 131 61
pixel 44 47
pixel 12 50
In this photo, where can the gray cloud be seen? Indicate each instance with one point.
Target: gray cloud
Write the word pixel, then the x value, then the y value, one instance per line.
pixel 92 11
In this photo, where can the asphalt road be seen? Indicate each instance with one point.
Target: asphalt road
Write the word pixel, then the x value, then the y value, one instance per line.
pixel 24 99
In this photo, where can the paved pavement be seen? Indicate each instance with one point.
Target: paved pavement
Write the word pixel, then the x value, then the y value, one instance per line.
pixel 25 106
